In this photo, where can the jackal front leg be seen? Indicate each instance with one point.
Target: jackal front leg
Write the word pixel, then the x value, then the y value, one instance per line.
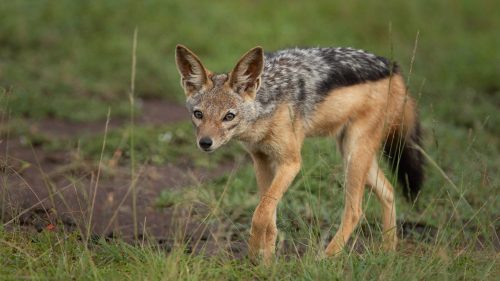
pixel 263 232
pixel 264 173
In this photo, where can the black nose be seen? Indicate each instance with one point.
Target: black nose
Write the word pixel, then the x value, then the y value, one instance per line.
pixel 205 142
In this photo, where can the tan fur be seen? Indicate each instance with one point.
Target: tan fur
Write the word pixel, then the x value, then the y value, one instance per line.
pixel 362 117
pixel 385 98
pixel 277 161
pixel 367 113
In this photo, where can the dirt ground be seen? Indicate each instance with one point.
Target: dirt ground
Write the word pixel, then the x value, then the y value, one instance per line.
pixel 45 191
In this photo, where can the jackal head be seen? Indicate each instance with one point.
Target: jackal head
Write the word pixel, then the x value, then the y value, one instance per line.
pixel 221 105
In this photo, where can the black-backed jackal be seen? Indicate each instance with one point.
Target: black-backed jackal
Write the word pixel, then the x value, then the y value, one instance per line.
pixel 271 102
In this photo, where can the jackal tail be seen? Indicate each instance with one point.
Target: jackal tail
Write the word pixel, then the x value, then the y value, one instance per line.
pixel 405 159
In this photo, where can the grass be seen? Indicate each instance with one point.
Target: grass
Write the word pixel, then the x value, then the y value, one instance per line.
pixel 71 60
pixel 57 259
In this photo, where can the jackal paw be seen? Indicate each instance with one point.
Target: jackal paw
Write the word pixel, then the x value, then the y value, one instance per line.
pixel 261 256
pixel 320 256
pixel 389 241
pixel 256 256
pixel 389 245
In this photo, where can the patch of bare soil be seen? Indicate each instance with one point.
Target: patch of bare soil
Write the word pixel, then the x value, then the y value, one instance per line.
pixel 153 112
pixel 53 191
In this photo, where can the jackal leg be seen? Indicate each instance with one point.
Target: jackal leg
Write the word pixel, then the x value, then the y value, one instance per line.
pixel 384 192
pixel 264 173
pixel 263 232
pixel 357 145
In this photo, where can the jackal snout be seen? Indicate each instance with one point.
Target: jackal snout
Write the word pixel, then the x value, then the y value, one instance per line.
pixel 205 143
pixel 211 135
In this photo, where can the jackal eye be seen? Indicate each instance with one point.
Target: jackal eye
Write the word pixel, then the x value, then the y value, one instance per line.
pixel 229 117
pixel 197 114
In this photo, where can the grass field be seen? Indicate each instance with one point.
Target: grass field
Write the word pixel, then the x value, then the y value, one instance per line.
pixel 69 63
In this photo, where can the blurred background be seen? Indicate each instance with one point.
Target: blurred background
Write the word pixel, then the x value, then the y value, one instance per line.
pixel 64 64
pixel 72 59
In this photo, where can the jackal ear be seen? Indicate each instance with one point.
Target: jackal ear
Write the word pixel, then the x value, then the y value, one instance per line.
pixel 193 73
pixel 246 75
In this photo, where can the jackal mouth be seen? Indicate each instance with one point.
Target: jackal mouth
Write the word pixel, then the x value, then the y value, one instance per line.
pixel 208 150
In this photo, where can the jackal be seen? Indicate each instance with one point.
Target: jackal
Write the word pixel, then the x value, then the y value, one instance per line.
pixel 271 102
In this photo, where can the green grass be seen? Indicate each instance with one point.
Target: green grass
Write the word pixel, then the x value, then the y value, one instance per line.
pixel 154 144
pixel 48 256
pixel 71 60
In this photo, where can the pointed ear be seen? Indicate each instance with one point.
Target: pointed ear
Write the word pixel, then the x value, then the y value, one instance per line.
pixel 193 73
pixel 245 77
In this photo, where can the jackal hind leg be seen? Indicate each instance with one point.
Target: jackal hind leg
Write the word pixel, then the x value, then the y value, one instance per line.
pixel 384 191
pixel 357 144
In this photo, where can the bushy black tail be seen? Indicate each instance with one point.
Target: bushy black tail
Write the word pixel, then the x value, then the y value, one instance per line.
pixel 407 161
